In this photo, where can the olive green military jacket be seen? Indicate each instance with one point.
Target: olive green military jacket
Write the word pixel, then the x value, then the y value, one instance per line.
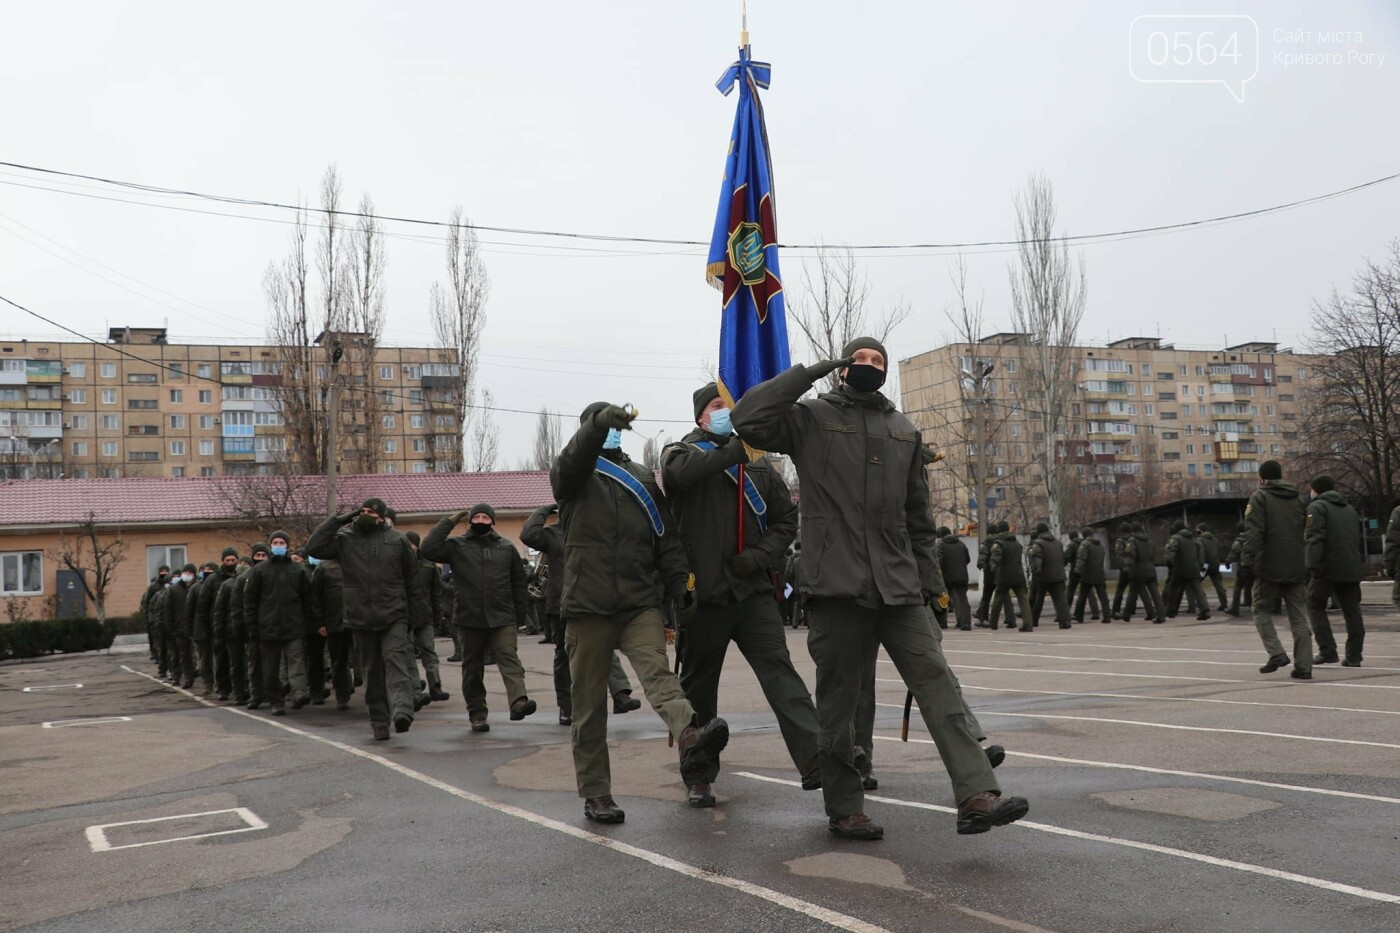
pixel 1332 539
pixel 1274 521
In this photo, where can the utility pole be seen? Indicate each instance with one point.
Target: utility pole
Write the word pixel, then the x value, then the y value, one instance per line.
pixel 333 430
pixel 980 460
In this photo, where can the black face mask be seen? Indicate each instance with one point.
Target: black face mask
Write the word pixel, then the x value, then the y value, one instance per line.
pixel 479 529
pixel 864 378
pixel 366 523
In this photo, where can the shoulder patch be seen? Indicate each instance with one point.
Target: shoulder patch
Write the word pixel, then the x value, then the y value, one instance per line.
pixel 836 426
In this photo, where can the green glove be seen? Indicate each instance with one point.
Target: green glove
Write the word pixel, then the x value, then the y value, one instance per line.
pixel 458 517
pixel 825 368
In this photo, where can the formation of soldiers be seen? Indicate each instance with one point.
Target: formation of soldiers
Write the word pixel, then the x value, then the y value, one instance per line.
pixel 624 556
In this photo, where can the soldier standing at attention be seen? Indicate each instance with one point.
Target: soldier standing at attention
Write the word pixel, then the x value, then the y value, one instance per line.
pixel 868 575
pixel 153 636
pixel 177 624
pixel 620 540
pixel 200 611
pixel 379 573
pixel 277 608
pixel 1047 559
pixel 733 587
pixel 1332 542
pixel 1274 550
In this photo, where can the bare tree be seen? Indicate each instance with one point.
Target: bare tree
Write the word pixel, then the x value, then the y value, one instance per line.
pixel 485 435
pixel 832 310
pixel 1048 293
pixel 1351 412
pixel 94 558
pixel 361 310
pixel 459 316
pixel 549 440
pixel 651 451
pixel 291 331
pixel 283 499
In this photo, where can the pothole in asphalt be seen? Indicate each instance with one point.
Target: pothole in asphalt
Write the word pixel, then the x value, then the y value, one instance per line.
pixel 1190 802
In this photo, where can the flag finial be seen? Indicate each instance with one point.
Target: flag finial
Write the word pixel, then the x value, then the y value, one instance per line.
pixel 744 25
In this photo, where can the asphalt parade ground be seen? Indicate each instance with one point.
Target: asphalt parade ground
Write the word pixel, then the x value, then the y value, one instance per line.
pixel 1172 787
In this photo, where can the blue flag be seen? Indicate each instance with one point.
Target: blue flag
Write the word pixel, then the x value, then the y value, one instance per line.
pixel 743 262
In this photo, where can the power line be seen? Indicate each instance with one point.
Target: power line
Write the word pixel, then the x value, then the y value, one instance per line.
pixel 665 241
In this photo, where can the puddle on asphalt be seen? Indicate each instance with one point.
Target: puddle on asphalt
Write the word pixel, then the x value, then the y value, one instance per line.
pixel 1190 802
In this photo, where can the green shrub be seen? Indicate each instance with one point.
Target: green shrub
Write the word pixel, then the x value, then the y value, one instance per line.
pixel 68 636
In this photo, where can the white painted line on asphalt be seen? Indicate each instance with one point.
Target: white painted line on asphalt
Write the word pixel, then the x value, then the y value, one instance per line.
pixel 97 835
pixel 1191 774
pixel 54 687
pixel 815 911
pixel 95 721
pixel 1208 680
pixel 1065 657
pixel 1163 725
pixel 1334 886
pixel 1257 652
pixel 1155 698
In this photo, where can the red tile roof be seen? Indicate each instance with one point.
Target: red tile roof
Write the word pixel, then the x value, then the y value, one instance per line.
pixel 137 500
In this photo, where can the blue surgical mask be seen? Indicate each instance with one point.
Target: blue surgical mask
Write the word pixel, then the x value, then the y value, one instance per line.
pixel 720 423
pixel 614 440
pixel 312 561
pixel 279 550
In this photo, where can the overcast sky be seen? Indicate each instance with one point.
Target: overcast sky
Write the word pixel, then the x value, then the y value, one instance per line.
pixel 889 123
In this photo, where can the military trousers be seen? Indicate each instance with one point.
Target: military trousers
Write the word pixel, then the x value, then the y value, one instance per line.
pixel 293 650
pixel 425 646
pixel 590 641
pixel 865 708
pixel 1244 589
pixel 339 646
pixel 255 674
pixel 1348 596
pixel 204 662
pixel 1213 574
pixel 1190 586
pixel 1055 589
pixel 386 657
pixel 1120 592
pixel 502 641
pixel 1151 597
pixel 223 675
pixel 984 600
pixel 1096 594
pixel 1004 595
pixel 564 683
pixel 182 663
pixel 754 626
pixel 839 641
pixel 238 668
pixel 161 646
pixel 957 602
pixel 1294 596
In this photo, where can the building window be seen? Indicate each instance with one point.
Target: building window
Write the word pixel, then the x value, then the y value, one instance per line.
pixel 143 456
pixel 206 421
pixel 110 423
pixel 1189 430
pixel 386 373
pixel 205 371
pixel 206 448
pixel 420 467
pixel 419 445
pixel 77 370
pixel 109 396
pixel 387 421
pixel 177 448
pixel 414 372
pixel 109 448
pixel 165 555
pixel 1190 469
pixel 142 403
pixel 109 370
pixel 79 449
pixel 415 396
pixel 22 573
pixel 177 422
pixel 235 368
pixel 417 421
pixel 391 446
pixel 80 422
pixel 177 472
pixel 1186 410
pixel 207 471
pixel 78 396
pixel 206 396
pixel 143 378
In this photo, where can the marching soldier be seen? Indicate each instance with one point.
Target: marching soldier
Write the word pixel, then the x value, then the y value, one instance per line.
pixel 1211 556
pixel 1333 555
pixel 200 610
pixel 422 628
pixel 1047 559
pixel 330 638
pixel 277 605
pixel 1072 564
pixel 177 625
pixel 869 573
pixel 1088 565
pixel 490 580
pixel 1244 576
pixel 1275 519
pixel 153 638
pixel 381 589
pixel 1004 561
pixel 1184 572
pixel 1122 561
pixel 734 590
pixel 620 536
pixel 953 558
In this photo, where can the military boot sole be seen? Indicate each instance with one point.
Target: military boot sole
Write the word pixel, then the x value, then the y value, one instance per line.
pixel 1009 810
pixel 402 723
pixel 525 709
pixel 701 764
pixel 605 816
pixel 995 755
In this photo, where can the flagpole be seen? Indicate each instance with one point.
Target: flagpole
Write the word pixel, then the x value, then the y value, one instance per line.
pixel 743 44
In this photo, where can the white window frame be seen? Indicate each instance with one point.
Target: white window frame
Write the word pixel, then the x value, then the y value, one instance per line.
pixel 77 396
pixel 157 554
pixel 109 396
pixel 177 448
pixel 206 447
pixel 108 370
pixel 12 564
pixel 109 448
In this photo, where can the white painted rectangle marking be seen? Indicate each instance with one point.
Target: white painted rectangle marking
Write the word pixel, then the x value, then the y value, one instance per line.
pixel 97 835
pixel 95 721
pixel 54 687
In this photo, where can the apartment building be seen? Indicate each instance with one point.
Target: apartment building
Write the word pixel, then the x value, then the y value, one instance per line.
pixel 1147 423
pixel 141 406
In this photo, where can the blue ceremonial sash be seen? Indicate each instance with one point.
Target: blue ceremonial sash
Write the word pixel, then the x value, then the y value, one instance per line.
pixel 751 493
pixel 620 475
